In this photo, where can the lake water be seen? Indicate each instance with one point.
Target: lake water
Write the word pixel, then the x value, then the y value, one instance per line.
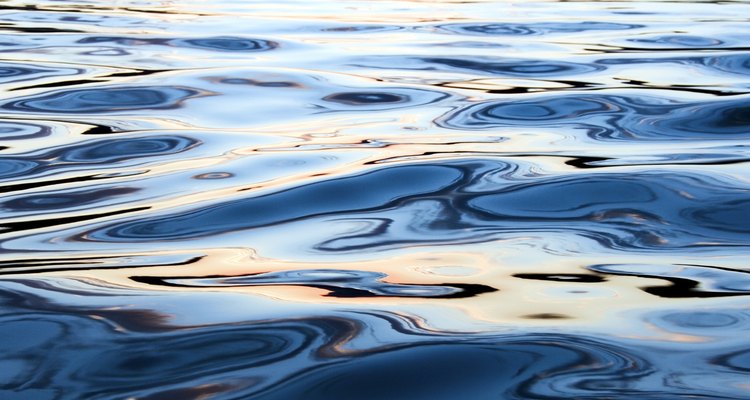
pixel 374 200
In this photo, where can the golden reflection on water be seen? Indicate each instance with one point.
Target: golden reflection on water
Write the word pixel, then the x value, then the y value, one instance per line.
pixel 607 307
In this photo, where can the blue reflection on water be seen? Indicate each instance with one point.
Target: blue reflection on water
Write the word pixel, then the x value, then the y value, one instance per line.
pixel 55 350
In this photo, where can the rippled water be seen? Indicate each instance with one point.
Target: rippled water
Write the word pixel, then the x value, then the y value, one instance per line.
pixel 374 200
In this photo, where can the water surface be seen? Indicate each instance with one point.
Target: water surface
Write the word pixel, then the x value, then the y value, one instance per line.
pixel 374 200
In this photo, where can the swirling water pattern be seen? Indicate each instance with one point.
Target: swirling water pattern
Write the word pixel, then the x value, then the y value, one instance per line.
pixel 374 200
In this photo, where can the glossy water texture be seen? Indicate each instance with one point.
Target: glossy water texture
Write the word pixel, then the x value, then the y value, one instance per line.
pixel 374 200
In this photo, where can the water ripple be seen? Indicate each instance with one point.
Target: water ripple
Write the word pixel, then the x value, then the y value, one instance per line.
pixel 682 41
pixel 685 281
pixel 611 116
pixel 95 152
pixel 11 72
pixel 393 98
pixel 217 43
pixel 511 67
pixel 104 100
pixel 431 202
pixel 737 64
pixel 338 283
pixel 54 201
pixel 114 150
pixel 20 131
pixel 331 196
pixel 542 28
